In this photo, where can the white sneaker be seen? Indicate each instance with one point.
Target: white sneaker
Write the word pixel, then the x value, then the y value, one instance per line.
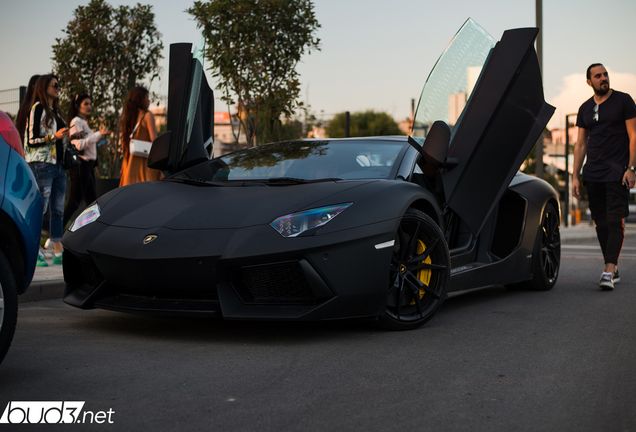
pixel 606 282
pixel 45 254
pixel 47 244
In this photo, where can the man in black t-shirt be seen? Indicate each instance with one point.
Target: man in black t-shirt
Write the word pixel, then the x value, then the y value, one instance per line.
pixel 607 136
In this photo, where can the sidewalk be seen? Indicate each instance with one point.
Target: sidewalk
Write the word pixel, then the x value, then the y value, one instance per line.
pixel 48 282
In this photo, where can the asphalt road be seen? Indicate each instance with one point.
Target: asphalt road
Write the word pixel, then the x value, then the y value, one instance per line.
pixel 494 360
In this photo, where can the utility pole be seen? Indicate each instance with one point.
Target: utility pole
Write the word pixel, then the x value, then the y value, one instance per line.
pixel 539 144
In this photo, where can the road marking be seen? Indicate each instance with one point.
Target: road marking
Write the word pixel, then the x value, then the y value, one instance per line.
pixel 591 247
pixel 595 255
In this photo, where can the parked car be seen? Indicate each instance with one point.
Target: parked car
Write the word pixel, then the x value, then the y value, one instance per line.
pixel 20 225
pixel 382 228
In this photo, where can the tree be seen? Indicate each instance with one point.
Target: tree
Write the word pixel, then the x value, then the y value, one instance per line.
pixel 530 164
pixel 364 123
pixel 106 51
pixel 254 47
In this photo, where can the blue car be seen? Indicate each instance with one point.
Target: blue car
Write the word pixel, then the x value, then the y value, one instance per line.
pixel 20 227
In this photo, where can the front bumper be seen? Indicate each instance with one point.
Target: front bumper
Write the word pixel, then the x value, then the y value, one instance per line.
pixel 249 273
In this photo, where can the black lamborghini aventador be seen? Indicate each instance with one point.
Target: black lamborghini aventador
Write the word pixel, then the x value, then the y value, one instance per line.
pixel 382 228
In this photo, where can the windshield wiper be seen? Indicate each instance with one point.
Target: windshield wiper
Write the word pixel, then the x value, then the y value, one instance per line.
pixel 286 180
pixel 194 181
pixel 299 180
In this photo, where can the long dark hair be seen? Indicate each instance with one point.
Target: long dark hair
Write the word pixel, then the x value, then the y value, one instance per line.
pixel 27 103
pixel 73 109
pixel 134 102
pixel 39 95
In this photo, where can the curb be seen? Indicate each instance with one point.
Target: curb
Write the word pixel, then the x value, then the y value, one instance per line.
pixel 48 289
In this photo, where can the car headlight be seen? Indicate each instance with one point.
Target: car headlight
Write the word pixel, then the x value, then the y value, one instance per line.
pixel 88 216
pixel 295 224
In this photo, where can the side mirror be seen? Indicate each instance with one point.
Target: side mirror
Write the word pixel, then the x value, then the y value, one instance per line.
pixel 160 152
pixel 435 147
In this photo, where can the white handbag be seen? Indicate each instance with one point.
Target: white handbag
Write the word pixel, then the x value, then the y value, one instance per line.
pixel 138 147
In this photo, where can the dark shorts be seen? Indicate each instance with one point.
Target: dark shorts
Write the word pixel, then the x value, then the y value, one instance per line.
pixel 608 200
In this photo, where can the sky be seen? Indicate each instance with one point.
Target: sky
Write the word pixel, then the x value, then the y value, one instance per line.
pixel 374 54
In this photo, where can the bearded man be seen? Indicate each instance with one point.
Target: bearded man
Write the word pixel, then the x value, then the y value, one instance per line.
pixel 607 136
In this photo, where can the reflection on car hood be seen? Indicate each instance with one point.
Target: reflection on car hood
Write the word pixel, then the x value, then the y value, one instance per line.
pixel 177 205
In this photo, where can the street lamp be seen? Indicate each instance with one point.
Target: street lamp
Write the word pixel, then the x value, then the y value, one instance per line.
pixel 538 171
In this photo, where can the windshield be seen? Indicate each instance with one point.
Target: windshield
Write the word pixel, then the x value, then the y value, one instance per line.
pixel 305 161
pixel 449 86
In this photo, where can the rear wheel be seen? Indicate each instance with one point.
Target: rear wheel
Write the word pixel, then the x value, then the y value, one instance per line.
pixel 419 275
pixel 8 305
pixel 546 268
pixel 547 253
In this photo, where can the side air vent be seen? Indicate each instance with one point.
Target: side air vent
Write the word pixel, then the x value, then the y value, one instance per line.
pixel 510 217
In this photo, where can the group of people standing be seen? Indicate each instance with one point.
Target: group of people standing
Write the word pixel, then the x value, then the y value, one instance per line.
pixel 46 133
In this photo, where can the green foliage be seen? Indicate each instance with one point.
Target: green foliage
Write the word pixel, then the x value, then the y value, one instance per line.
pixel 364 123
pixel 531 161
pixel 105 52
pixel 291 129
pixel 254 47
pixel 530 168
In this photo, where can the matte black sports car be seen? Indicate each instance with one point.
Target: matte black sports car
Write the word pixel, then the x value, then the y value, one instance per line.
pixel 383 228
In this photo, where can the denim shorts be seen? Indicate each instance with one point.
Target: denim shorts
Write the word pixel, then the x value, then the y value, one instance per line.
pixel 51 180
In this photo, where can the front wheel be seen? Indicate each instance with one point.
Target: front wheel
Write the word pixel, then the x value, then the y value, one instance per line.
pixel 419 274
pixel 8 305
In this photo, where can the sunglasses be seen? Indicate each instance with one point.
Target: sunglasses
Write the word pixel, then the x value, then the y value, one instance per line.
pixel 56 86
pixel 595 113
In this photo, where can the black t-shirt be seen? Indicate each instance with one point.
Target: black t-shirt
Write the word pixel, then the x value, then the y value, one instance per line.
pixel 608 142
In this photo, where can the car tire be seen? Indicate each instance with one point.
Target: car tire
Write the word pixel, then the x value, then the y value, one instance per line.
pixel 546 254
pixel 419 273
pixel 8 305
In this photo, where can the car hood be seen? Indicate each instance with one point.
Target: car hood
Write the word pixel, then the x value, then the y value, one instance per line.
pixel 177 205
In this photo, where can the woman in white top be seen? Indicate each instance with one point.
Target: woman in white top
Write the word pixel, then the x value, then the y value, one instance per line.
pixel 86 141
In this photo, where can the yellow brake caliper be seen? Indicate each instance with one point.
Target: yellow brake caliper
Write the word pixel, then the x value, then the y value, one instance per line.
pixel 423 275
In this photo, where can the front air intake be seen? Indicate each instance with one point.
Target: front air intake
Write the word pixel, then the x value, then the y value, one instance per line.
pixel 274 283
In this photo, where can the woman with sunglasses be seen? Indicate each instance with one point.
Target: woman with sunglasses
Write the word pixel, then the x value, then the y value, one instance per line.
pixel 86 141
pixel 44 140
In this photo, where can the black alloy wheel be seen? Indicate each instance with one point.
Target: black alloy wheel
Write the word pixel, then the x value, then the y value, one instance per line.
pixel 548 259
pixel 546 254
pixel 419 274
